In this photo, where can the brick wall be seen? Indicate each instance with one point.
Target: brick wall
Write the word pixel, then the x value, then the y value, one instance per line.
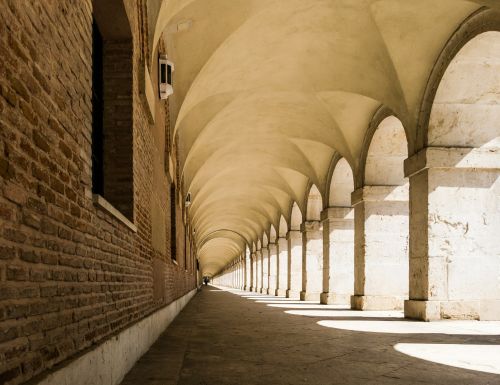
pixel 71 275
pixel 118 124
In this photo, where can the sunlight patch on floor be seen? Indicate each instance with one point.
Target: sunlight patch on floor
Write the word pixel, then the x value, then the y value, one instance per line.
pixel 484 358
pixel 303 306
pixel 344 312
pixel 417 327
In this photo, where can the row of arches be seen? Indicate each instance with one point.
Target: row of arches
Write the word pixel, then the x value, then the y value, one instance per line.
pixel 419 233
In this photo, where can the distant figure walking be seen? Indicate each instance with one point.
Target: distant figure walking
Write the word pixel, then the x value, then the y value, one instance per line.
pixel 206 280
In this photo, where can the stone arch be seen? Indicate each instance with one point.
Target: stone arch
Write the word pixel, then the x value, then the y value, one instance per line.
pixel 457 179
pixel 296 217
pixel 481 21
pixel 314 204
pixel 381 219
pixel 386 154
pixel 466 111
pixel 265 240
pixel 341 184
pixel 272 234
pixel 283 227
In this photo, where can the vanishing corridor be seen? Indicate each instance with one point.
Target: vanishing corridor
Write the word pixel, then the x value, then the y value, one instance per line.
pixel 237 337
pixel 331 168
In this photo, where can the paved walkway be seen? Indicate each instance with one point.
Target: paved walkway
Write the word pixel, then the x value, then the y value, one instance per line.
pixel 234 337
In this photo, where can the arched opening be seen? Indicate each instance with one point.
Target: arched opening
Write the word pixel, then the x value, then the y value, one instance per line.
pixel 296 217
pixel 273 262
pixel 294 238
pixel 312 248
pixel 258 258
pixel 265 264
pixel 248 269
pixel 341 185
pixel 386 154
pixel 338 233
pixel 455 200
pixel 314 204
pixel 282 244
pixel 381 222
pixel 253 257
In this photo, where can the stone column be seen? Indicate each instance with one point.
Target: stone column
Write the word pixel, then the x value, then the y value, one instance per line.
pixel 381 247
pixel 237 273
pixel 454 234
pixel 282 281
pixel 258 257
pixel 248 272
pixel 338 255
pixel 253 258
pixel 294 238
pixel 265 270
pixel 312 261
pixel 273 268
pixel 242 272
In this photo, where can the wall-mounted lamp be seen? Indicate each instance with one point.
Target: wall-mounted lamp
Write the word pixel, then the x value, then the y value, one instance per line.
pixel 165 77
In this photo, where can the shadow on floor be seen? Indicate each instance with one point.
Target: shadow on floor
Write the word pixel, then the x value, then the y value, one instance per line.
pixel 235 337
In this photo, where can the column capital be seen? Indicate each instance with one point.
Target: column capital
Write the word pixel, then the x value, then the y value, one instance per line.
pixel 293 234
pixel 452 157
pixel 380 193
pixel 310 226
pixel 337 213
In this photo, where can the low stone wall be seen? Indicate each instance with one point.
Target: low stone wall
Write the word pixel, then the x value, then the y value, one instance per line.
pixel 109 362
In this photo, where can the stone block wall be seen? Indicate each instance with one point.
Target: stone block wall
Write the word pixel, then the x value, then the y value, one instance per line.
pixel 71 274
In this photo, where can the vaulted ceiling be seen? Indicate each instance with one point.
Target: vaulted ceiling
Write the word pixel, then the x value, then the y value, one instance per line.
pixel 268 92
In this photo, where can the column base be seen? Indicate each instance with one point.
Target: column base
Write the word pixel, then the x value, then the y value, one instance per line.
pixel 484 310
pixel 376 302
pixel 307 296
pixel 251 288
pixel 262 291
pixel 335 299
pixel 292 294
pixel 280 293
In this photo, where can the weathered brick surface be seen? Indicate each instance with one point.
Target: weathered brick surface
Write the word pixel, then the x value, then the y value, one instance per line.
pixel 71 275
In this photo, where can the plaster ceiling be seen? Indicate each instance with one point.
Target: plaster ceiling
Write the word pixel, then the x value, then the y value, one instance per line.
pixel 268 92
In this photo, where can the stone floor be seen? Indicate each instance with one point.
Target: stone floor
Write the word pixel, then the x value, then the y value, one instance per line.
pixel 235 337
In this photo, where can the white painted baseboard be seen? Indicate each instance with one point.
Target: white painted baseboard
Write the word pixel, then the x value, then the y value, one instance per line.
pixel 108 363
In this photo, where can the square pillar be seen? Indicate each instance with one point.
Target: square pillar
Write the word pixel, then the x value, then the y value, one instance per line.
pixel 273 268
pixel 312 261
pixel 265 270
pixel 248 273
pixel 381 247
pixel 282 282
pixel 294 238
pixel 338 255
pixel 258 283
pixel 454 234
pixel 254 272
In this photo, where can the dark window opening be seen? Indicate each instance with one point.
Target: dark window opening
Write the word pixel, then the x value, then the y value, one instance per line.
pixel 112 110
pixel 97 111
pixel 169 75
pixel 163 73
